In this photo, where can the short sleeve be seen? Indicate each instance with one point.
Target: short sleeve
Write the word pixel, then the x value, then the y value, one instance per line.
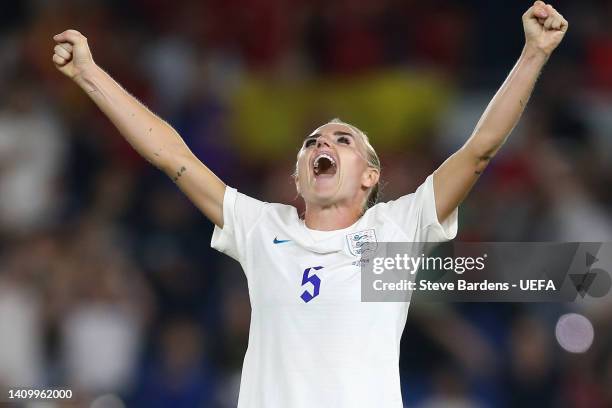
pixel 240 214
pixel 416 216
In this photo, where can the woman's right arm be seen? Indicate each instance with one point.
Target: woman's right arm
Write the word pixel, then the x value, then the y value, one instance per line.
pixel 152 137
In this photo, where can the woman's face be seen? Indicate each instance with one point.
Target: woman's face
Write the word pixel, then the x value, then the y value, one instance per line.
pixel 332 167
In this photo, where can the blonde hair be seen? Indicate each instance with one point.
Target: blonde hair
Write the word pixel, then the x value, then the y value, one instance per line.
pixel 372 159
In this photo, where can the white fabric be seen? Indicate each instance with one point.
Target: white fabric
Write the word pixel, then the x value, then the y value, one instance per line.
pixel 100 345
pixel 21 348
pixel 32 150
pixel 318 235
pixel 334 350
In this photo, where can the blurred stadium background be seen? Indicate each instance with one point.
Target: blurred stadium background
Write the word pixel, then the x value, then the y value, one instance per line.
pixel 107 282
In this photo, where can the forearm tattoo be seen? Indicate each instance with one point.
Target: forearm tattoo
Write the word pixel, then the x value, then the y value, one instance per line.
pixel 179 173
pixel 482 163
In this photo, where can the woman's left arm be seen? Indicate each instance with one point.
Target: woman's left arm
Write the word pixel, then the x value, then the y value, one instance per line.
pixel 544 29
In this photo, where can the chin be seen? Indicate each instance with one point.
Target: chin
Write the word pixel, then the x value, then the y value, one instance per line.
pixel 322 197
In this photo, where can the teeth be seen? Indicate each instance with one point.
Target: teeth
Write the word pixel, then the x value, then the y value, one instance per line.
pixel 327 156
pixel 318 159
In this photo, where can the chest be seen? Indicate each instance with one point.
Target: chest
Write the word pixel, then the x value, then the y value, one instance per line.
pixel 300 276
pixel 287 271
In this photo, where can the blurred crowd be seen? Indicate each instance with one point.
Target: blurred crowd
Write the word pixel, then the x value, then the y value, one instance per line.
pixel 108 285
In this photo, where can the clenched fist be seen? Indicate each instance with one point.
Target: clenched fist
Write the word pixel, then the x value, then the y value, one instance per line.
pixel 71 54
pixel 544 27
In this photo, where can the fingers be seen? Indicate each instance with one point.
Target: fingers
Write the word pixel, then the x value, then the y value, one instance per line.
pixel 548 23
pixel 555 20
pixel 541 10
pixel 538 10
pixel 59 60
pixel 70 36
pixel 62 52
pixel 547 16
pixel 71 53
pixel 66 46
pixel 560 23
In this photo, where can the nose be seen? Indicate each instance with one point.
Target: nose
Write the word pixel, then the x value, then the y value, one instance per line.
pixel 322 141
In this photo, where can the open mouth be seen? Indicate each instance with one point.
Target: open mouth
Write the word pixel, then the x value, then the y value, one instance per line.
pixel 324 165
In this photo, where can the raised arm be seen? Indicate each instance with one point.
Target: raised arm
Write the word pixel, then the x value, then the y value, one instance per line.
pixel 544 29
pixel 153 138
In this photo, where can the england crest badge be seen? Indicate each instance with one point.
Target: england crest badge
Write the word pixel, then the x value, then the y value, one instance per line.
pixel 362 242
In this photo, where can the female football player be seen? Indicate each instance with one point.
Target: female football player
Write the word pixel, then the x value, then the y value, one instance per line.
pixel 312 342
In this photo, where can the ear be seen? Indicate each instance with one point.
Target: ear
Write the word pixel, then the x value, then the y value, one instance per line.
pixel 370 177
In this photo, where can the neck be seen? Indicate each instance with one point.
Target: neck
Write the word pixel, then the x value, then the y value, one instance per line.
pixel 330 218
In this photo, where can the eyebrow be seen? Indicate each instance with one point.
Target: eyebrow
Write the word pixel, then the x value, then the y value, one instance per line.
pixel 336 133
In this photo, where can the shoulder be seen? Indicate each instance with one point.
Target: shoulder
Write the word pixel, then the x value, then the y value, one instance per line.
pixel 422 196
pixel 379 214
pixel 242 210
pixel 283 213
pixel 388 208
pixel 263 212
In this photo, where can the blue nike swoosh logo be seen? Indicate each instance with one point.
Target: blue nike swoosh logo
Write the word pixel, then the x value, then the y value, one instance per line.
pixel 280 241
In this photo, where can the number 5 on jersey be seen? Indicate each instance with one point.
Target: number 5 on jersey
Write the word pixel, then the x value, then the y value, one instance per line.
pixel 314 280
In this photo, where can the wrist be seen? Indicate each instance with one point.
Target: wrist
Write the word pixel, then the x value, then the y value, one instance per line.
pixel 532 52
pixel 86 77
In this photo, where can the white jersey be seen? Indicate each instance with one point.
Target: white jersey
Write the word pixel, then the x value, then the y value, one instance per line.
pixel 312 342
